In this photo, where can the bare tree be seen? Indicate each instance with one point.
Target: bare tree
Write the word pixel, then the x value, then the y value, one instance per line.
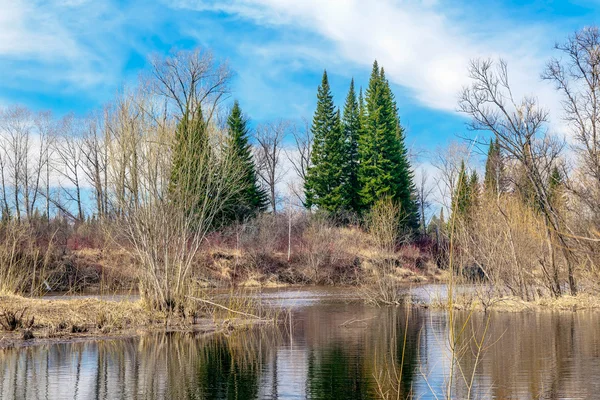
pixel 3 158
pixel 25 137
pixel 94 153
pixel 447 161
pixel 269 138
pixel 70 168
pixel 521 129
pixel 171 185
pixel 424 190
pixel 192 81
pixel 47 130
pixel 299 156
pixel 577 78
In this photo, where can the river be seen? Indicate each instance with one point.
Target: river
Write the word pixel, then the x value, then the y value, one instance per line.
pixel 330 348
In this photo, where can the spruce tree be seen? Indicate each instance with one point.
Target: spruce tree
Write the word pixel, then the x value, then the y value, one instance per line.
pixel 352 127
pixel 189 152
pixel 325 185
pixel 474 189
pixel 384 168
pixel 493 180
pixel 252 199
pixel 461 201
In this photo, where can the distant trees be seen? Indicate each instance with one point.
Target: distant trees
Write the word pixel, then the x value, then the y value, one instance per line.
pixel 269 145
pixel 360 157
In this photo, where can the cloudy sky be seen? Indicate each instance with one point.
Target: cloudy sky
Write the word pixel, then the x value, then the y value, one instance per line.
pixel 68 55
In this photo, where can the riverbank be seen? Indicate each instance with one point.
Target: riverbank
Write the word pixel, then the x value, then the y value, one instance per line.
pixel 470 299
pixel 31 321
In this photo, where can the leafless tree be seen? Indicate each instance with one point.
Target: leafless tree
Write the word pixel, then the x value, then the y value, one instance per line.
pixel 3 170
pixel 166 220
pixel 95 158
pixel 447 161
pixel 522 132
pixel 269 138
pixel 577 78
pixel 47 131
pixel 424 190
pixel 25 137
pixel 299 156
pixel 69 166
pixel 193 81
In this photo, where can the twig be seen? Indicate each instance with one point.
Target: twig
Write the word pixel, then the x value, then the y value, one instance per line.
pixel 353 320
pixel 223 307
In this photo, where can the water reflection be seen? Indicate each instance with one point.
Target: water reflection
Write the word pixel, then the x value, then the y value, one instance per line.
pixel 333 351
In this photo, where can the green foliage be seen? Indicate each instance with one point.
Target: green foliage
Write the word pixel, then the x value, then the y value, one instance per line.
pixel 361 157
pixel 384 169
pixel 462 199
pixel 326 183
pixel 494 169
pixel 191 149
pixel 352 127
pixel 252 198
pixel 474 189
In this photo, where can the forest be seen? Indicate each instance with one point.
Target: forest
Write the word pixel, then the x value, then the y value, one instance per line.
pixel 171 189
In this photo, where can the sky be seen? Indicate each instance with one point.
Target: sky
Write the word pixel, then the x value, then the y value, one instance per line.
pixel 74 55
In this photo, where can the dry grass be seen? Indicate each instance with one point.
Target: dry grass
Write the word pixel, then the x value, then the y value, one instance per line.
pixel 92 317
pixel 470 300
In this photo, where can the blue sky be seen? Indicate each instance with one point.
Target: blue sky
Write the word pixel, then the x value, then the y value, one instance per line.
pixel 74 55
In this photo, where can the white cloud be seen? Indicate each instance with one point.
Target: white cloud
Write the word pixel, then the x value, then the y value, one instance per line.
pixel 423 46
pixel 64 43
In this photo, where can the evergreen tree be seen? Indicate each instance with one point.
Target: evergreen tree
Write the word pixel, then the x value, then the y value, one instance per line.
pixel 494 169
pixel 384 168
pixel 352 127
pixel 474 189
pixel 252 199
pixel 325 185
pixel 461 201
pixel 190 151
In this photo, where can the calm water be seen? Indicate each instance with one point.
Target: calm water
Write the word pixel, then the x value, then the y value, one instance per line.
pixel 331 350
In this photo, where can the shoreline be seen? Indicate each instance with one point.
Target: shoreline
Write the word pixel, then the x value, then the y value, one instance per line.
pixel 48 321
pixel 55 321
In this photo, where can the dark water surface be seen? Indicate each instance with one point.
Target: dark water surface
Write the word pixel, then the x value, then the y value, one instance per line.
pixel 331 350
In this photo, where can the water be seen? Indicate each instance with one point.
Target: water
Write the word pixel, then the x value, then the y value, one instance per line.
pixel 331 350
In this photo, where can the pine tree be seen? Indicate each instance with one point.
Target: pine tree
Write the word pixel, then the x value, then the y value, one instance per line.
pixel 384 168
pixel 352 128
pixel 252 199
pixel 325 185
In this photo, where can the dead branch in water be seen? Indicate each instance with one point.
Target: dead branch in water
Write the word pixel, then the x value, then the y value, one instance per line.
pixel 224 308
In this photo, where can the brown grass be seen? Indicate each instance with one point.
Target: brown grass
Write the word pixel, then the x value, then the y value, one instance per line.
pixel 93 318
